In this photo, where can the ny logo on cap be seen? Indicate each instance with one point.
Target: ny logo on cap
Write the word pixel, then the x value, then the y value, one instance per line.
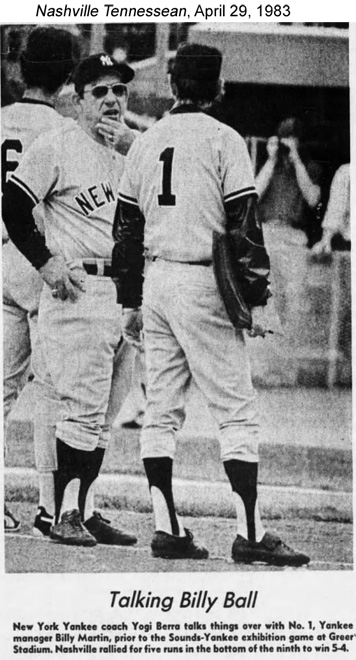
pixel 106 60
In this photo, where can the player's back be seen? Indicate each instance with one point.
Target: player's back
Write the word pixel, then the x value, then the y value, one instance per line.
pixel 181 171
pixel 21 124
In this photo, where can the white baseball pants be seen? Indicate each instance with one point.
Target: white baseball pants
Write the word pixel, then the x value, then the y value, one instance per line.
pixel 89 367
pixel 188 334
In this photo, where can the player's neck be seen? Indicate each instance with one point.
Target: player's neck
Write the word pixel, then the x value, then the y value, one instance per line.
pixel 180 102
pixel 36 94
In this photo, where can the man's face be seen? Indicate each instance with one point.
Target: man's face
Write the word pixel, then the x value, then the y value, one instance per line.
pixel 106 96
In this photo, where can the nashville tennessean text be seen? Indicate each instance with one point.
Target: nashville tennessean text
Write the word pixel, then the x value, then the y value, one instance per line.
pixel 87 11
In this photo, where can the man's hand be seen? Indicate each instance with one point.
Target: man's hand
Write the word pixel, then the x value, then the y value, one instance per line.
pixel 259 322
pixel 64 282
pixel 132 327
pixel 292 144
pixel 272 148
pixel 322 251
pixel 117 134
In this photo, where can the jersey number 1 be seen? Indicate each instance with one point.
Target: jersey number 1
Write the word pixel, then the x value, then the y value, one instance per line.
pixel 166 198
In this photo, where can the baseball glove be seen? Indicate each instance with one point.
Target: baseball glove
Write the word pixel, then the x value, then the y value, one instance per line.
pixel 241 268
pixel 224 263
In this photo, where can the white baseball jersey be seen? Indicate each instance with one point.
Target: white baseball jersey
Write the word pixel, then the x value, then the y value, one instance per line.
pixel 180 173
pixel 73 180
pixel 21 124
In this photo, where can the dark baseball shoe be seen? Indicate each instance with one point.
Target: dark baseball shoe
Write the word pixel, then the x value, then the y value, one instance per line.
pixel 43 522
pixel 104 533
pixel 168 546
pixel 270 550
pixel 71 531
pixel 11 524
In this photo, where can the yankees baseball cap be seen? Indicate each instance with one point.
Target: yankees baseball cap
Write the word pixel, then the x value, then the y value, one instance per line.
pixel 197 62
pixel 95 66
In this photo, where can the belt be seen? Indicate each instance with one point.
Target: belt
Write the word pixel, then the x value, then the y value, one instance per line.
pixel 185 263
pixel 99 268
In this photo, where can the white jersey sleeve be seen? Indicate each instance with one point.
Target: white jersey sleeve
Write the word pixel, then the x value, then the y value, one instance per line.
pixel 236 168
pixel 128 192
pixel 37 173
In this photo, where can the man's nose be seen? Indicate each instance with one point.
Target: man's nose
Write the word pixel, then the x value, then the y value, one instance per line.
pixel 110 96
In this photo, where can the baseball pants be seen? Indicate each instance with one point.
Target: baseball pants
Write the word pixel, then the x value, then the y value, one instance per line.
pixel 89 366
pixel 22 286
pixel 188 334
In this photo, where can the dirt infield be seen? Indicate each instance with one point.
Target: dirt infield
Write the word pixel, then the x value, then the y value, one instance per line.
pixel 328 544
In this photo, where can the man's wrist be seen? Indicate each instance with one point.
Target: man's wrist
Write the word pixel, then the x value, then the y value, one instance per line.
pixel 42 259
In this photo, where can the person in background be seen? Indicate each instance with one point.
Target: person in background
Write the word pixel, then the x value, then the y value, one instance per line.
pixel 289 190
pixel 336 223
pixel 288 184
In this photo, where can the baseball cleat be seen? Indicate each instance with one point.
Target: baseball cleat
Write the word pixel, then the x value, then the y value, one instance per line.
pixel 71 531
pixel 132 424
pixel 168 546
pixel 270 550
pixel 43 522
pixel 104 533
pixel 11 524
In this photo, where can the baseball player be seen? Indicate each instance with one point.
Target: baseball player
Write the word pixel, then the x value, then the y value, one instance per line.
pixel 185 178
pixel 46 62
pixel 71 178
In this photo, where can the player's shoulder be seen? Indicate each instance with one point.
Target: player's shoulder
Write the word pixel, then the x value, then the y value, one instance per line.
pixel 11 115
pixel 227 131
pixel 140 142
pixel 56 138
pixel 61 129
pixel 8 110
pixel 215 125
pixel 226 137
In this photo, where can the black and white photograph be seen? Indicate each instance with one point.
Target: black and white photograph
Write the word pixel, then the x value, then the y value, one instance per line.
pixel 177 332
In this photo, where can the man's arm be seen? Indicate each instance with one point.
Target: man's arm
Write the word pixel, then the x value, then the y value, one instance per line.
pixel 252 260
pixel 264 177
pixel 127 258
pixel 311 191
pixel 17 207
pixel 336 212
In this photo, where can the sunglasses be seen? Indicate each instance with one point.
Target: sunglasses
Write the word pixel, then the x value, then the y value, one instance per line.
pixel 100 91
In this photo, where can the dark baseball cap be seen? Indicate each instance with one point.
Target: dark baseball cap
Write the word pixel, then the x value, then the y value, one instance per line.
pixel 95 66
pixel 197 62
pixel 48 58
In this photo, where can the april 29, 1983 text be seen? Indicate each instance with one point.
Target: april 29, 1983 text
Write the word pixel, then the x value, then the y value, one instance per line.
pixel 242 11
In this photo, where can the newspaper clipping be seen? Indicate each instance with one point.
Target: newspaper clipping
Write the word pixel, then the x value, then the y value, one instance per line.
pixel 177 465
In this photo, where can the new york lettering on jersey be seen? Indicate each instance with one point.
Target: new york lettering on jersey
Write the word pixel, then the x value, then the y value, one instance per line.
pixel 77 194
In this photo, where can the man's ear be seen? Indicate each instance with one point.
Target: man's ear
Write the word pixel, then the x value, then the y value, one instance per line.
pixel 174 89
pixel 221 86
pixel 76 100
